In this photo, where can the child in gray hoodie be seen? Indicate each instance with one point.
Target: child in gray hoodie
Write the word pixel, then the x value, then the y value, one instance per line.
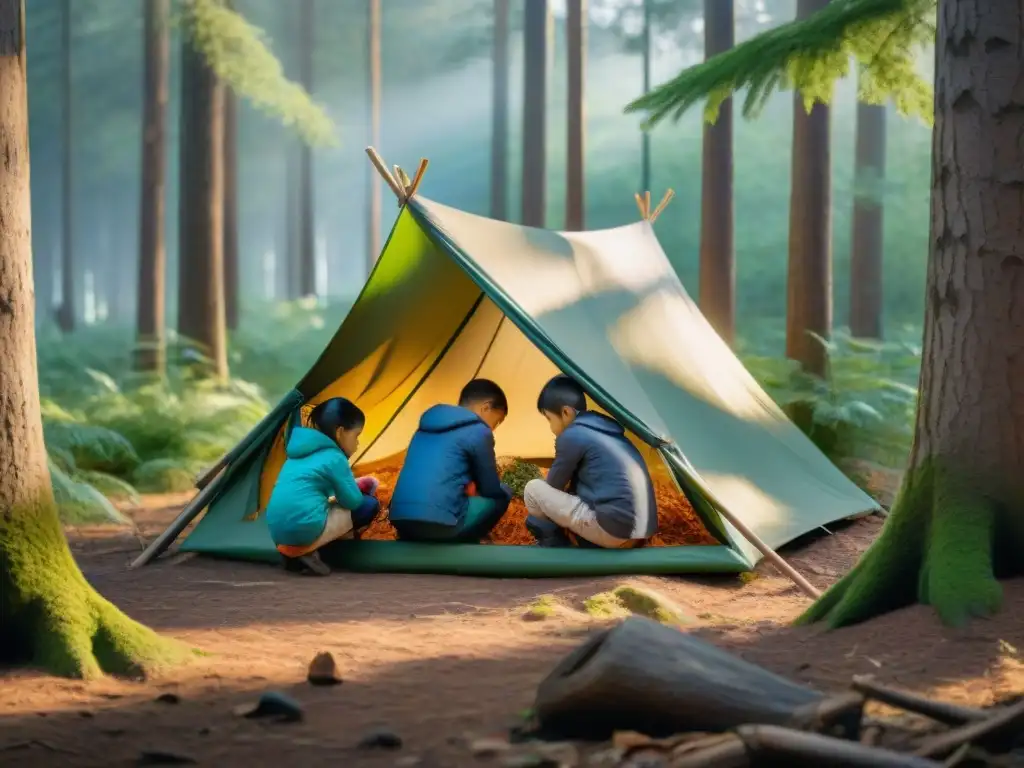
pixel 598 492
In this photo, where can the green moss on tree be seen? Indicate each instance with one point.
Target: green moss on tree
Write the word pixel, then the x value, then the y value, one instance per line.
pixel 938 547
pixel 53 618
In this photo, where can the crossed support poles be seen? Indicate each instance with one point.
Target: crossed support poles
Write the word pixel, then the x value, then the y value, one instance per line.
pixel 399 181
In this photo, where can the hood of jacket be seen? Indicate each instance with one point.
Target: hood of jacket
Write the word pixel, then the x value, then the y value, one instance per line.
pixel 599 423
pixel 445 418
pixel 305 441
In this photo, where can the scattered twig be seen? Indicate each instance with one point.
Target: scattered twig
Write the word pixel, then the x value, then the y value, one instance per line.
pixel 940 711
pixel 798 749
pixel 1002 723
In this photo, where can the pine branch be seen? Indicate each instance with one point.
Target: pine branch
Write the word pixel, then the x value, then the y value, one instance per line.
pixel 809 55
pixel 238 53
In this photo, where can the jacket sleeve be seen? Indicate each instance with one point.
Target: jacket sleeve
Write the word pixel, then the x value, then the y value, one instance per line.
pixel 343 483
pixel 484 466
pixel 568 455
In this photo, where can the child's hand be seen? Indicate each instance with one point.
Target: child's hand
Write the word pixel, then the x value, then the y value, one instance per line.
pixel 368 485
pixel 471 489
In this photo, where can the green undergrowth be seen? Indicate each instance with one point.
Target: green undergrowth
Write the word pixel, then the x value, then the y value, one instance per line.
pixel 112 434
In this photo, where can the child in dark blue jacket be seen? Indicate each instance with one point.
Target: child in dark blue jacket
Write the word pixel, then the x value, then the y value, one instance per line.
pixel 449 489
pixel 598 491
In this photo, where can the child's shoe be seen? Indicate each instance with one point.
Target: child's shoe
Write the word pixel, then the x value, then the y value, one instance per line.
pixel 309 565
pixel 547 533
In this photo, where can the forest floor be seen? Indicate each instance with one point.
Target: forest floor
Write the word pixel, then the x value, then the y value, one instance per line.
pixel 440 661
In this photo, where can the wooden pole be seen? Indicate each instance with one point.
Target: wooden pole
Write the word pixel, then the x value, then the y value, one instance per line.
pixel 374 98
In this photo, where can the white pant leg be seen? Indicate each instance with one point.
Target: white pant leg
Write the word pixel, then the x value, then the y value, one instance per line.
pixel 567 511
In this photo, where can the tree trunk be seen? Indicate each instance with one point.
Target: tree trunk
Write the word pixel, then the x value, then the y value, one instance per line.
pixel 645 136
pixel 499 114
pixel 717 253
pixel 201 211
pixel 151 355
pixel 307 238
pixel 232 275
pixel 866 241
pixel 809 290
pixel 49 613
pixel 66 314
pixel 373 222
pixel 536 19
pixel 576 54
pixel 957 524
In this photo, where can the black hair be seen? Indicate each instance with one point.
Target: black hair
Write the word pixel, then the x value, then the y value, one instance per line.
pixel 334 414
pixel 560 392
pixel 484 391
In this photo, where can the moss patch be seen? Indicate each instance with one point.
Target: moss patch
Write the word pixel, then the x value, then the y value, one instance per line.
pixel 937 548
pixel 546 607
pixel 628 599
pixel 53 618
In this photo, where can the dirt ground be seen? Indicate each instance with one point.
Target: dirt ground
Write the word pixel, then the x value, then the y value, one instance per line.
pixel 437 660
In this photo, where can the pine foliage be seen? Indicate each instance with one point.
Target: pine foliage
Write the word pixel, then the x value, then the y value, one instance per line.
pixel 239 54
pixel 809 55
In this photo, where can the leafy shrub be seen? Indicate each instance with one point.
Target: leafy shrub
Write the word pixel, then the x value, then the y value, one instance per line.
pixel 518 474
pixel 92 447
pixel 170 475
pixel 79 503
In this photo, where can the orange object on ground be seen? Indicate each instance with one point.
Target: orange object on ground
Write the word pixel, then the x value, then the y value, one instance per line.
pixel 471 489
pixel 678 524
pixel 292 551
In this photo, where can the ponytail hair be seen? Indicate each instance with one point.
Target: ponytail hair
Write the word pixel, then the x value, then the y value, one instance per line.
pixel 334 414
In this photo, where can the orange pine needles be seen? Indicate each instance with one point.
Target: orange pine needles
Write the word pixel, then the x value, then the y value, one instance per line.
pixel 678 524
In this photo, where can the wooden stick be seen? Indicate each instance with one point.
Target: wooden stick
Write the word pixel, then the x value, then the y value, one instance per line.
pixel 940 711
pixel 647 205
pixel 640 205
pixel 420 170
pixel 838 715
pixel 661 206
pixel 403 179
pixel 728 752
pixel 797 749
pixel 382 169
pixel 1003 722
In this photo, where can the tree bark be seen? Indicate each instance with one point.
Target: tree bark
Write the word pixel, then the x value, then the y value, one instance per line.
pixel 717 253
pixel 232 275
pixel 306 212
pixel 866 241
pixel 201 211
pixel 49 613
pixel 957 524
pixel 645 136
pixel 576 53
pixel 151 355
pixel 499 113
pixel 535 53
pixel 66 314
pixel 374 85
pixel 809 289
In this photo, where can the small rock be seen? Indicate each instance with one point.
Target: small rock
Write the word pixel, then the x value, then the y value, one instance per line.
pixel 86 714
pixel 381 738
pixel 489 747
pixel 606 757
pixel 409 761
pixel 168 698
pixel 323 670
pixel 112 732
pixel 204 731
pixel 160 757
pixel 272 704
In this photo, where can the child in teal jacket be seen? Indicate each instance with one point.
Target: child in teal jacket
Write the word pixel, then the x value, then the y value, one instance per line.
pixel 316 498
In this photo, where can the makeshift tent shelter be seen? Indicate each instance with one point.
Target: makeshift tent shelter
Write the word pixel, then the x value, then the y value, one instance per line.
pixel 455 296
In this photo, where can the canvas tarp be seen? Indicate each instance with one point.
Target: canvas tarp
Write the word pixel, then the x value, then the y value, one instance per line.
pixel 456 295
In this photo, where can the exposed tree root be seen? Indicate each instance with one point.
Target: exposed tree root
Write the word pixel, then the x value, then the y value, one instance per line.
pixel 53 618
pixel 937 548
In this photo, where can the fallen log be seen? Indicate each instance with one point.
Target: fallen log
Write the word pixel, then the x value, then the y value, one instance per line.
pixel 644 676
